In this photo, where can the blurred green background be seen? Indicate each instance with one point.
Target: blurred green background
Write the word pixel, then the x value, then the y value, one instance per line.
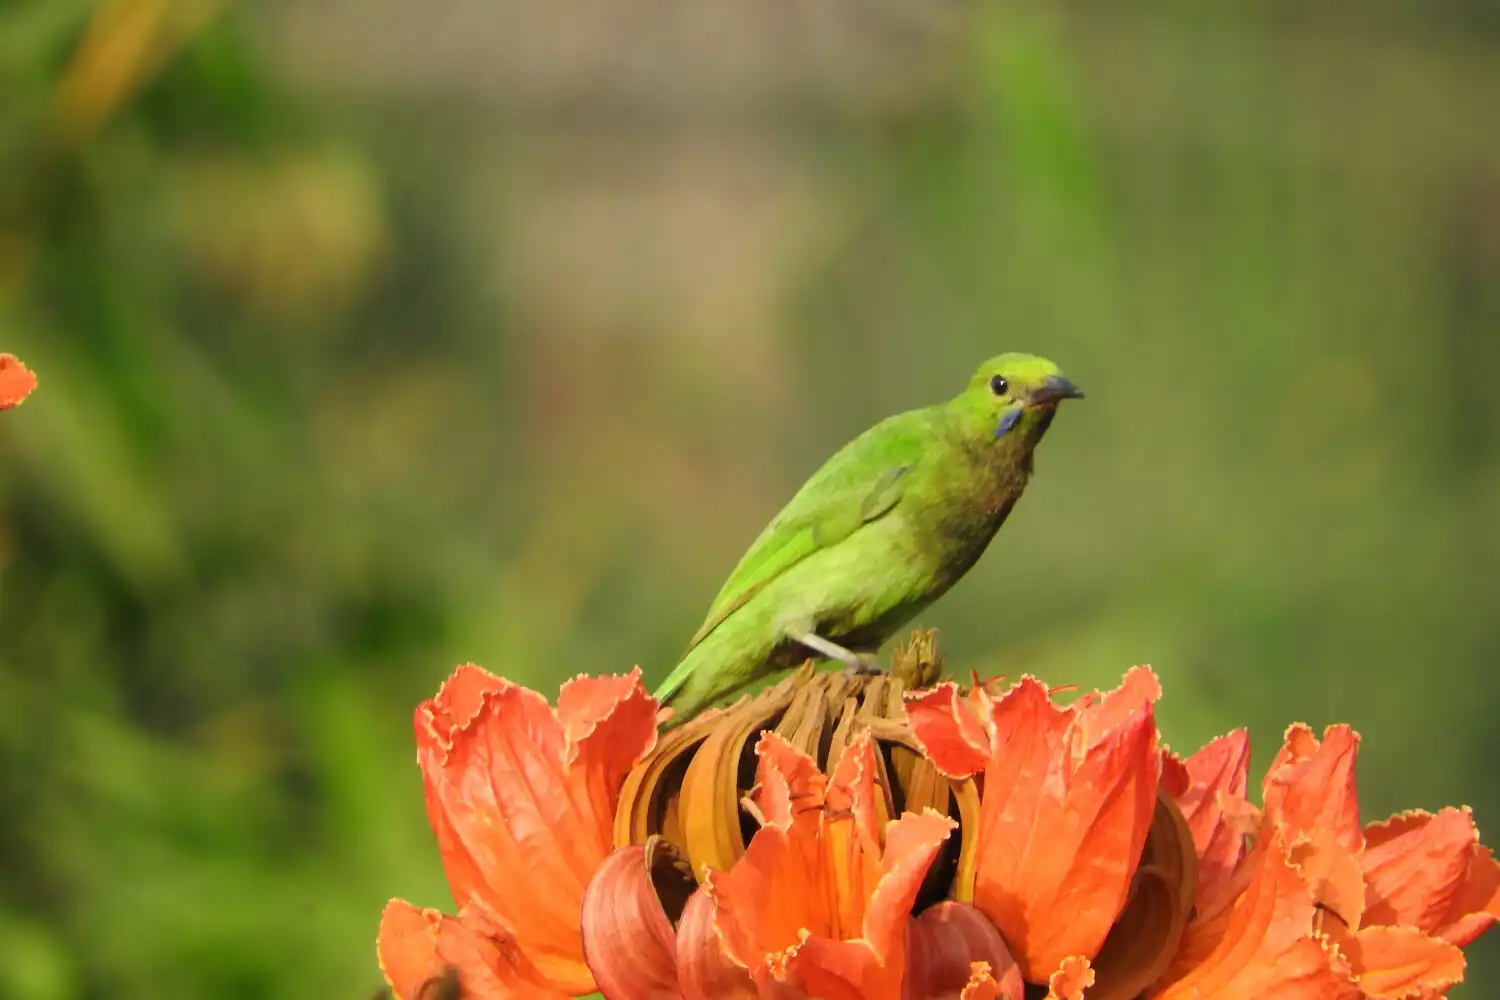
pixel 375 337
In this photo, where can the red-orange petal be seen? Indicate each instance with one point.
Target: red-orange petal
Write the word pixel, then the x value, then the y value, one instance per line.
pixel 601 716
pixel 1068 800
pixel 1414 865
pixel 945 946
pixel 522 800
pixel 851 789
pixel 1216 773
pixel 1397 963
pixel 950 734
pixel 416 947
pixel 1101 713
pixel 1310 786
pixel 911 844
pixel 1476 906
pixel 789 781
pixel 628 940
pixel 16 382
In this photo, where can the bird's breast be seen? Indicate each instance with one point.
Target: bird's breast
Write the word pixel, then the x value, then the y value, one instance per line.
pixel 965 520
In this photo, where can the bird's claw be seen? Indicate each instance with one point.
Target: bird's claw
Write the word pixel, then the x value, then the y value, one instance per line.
pixel 863 666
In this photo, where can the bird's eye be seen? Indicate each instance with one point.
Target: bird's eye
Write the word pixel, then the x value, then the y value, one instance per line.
pixel 998 385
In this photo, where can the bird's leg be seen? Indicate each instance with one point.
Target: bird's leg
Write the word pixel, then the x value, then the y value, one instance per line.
pixel 854 664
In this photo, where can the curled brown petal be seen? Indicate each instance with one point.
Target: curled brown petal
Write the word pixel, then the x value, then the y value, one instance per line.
pixel 648 799
pixel 709 802
pixel 943 944
pixel 817 703
pixel 628 938
pixel 918 784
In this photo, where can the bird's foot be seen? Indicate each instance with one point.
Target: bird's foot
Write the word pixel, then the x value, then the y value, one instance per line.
pixel 855 664
pixel 863 666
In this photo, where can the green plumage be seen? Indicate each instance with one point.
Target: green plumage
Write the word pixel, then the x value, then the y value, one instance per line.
pixel 882 530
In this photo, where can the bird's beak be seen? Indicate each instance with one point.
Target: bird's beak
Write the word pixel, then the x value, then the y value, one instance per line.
pixel 1055 388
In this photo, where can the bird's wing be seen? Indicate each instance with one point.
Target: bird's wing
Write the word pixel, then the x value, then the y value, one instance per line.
pixel 860 484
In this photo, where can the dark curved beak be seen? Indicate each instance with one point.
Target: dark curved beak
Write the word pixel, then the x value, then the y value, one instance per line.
pixel 1054 389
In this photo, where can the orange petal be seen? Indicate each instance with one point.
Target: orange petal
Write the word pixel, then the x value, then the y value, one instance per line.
pixel 1101 714
pixel 790 782
pixel 628 937
pixel 1332 873
pixel 1414 864
pixel 704 970
pixel 1263 945
pixel 911 844
pixel 1216 773
pixel 1310 786
pixel 601 715
pixel 1477 905
pixel 852 788
pixel 417 947
pixel 945 946
pixel 1065 810
pixel 522 800
pixel 1395 963
pixel 16 382
pixel 1071 979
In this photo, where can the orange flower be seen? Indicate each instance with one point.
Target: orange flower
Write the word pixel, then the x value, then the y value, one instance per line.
pixel 1402 896
pixel 522 798
pixel 1321 908
pixel 840 838
pixel 1069 795
pixel 16 382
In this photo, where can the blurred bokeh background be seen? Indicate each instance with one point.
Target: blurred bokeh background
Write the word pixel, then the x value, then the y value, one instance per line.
pixel 375 337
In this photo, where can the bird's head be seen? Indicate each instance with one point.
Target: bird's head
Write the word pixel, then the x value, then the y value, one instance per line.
pixel 1012 399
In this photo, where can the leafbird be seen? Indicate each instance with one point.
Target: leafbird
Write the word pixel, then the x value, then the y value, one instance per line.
pixel 882 530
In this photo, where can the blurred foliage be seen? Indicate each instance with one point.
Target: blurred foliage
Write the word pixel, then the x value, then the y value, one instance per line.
pixel 367 349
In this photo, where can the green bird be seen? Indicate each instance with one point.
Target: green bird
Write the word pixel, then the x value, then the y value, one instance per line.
pixel 882 530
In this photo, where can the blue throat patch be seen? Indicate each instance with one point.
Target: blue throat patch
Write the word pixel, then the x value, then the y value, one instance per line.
pixel 1007 421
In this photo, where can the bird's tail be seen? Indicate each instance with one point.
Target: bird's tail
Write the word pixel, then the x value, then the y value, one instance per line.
pixel 700 681
pixel 675 681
